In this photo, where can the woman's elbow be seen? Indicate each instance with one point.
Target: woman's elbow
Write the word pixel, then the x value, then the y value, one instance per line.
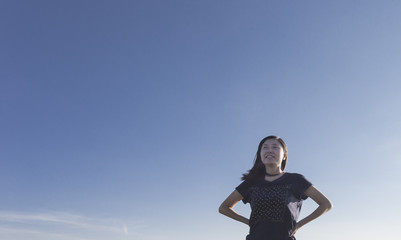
pixel 223 209
pixel 328 205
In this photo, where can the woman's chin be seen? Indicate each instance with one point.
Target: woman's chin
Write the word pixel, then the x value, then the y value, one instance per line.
pixel 270 164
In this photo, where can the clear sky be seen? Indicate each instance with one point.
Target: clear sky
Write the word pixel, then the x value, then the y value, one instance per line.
pixel 133 120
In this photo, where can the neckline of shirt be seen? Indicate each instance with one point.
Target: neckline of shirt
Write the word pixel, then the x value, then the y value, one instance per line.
pixel 264 179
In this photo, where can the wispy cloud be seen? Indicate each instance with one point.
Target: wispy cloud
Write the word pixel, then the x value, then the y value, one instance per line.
pixel 66 219
pixel 125 230
pixel 9 232
pixel 60 226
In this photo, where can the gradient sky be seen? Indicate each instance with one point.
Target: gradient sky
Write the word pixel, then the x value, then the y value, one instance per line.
pixel 134 120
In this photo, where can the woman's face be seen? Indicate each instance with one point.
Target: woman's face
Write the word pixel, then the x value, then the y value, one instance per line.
pixel 272 153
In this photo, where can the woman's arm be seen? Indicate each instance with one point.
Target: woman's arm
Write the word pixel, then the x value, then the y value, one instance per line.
pixel 226 208
pixel 324 206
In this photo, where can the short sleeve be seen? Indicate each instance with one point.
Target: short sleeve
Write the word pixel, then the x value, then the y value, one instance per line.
pixel 244 189
pixel 300 186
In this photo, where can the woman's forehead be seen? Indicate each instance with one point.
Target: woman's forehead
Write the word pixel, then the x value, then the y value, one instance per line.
pixel 271 141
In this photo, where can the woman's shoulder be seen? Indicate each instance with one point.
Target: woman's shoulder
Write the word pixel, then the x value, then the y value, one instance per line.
pixel 298 178
pixel 247 183
pixel 294 175
pixel 244 186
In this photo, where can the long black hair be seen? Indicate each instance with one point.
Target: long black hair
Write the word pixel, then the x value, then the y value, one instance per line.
pixel 258 170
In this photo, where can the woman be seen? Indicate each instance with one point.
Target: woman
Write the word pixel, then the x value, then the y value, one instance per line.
pixel 275 196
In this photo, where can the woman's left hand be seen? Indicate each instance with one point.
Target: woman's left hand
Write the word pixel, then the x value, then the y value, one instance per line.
pixel 321 200
pixel 295 230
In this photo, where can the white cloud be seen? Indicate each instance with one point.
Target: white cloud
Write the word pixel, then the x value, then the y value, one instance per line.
pixel 60 226
pixel 7 232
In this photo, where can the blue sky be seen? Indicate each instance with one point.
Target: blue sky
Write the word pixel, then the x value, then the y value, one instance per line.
pixel 135 119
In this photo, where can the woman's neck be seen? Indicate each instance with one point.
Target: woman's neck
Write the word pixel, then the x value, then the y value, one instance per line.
pixel 273 170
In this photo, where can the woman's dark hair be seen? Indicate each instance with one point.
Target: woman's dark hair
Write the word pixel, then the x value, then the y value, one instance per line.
pixel 258 170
